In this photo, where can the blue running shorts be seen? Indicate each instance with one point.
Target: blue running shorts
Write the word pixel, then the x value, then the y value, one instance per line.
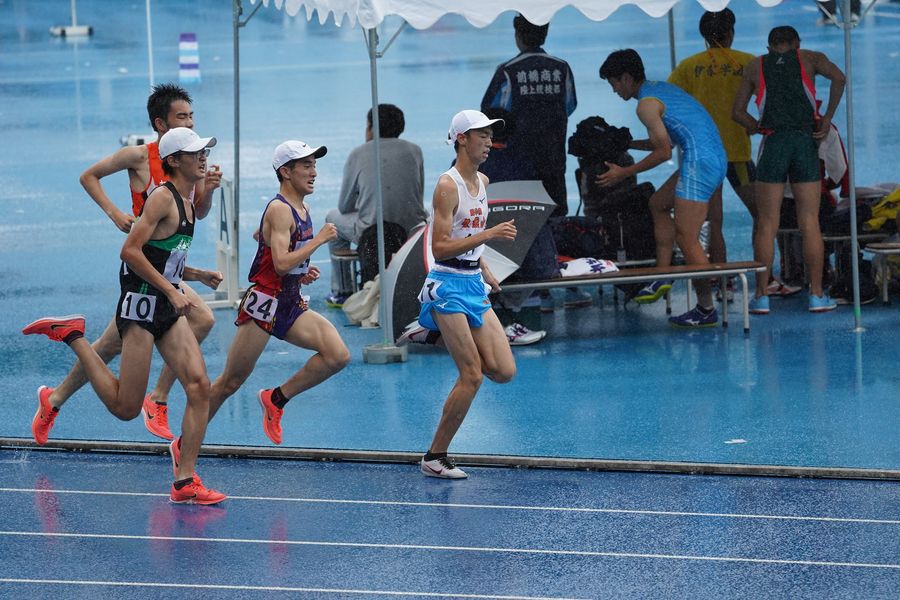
pixel 453 293
pixel 698 179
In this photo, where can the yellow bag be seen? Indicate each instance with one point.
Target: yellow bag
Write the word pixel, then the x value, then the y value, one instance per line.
pixel 883 211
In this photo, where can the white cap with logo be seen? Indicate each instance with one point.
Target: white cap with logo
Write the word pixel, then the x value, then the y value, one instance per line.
pixel 182 139
pixel 294 150
pixel 465 120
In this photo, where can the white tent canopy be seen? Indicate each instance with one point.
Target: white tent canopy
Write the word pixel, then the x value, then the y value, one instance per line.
pixel 422 14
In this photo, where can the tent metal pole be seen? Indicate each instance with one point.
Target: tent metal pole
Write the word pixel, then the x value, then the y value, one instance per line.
pixel 236 43
pixel 237 11
pixel 671 19
pixel 848 90
pixel 387 327
pixel 150 44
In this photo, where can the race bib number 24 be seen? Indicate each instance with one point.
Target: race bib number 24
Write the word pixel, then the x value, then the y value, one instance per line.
pixel 260 306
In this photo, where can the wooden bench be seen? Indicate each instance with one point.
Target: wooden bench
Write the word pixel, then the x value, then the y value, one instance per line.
pixel 884 249
pixel 647 274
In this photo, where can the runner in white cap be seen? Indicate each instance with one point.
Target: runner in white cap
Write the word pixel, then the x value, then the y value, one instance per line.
pixel 454 296
pixel 150 311
pixel 274 304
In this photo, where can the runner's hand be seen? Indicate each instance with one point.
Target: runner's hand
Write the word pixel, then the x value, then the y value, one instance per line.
pixel 612 176
pixel 213 178
pixel 180 302
pixel 311 275
pixel 210 279
pixel 123 221
pixel 822 127
pixel 327 233
pixel 490 280
pixel 505 230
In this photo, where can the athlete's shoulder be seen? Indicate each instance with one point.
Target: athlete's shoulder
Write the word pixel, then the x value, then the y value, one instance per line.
pixel 741 56
pixel 131 157
pixel 160 199
pixel 691 61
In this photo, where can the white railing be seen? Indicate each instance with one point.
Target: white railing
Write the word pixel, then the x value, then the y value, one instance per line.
pixel 228 295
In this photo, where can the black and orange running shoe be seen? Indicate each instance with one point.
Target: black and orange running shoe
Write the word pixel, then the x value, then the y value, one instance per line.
pixel 56 328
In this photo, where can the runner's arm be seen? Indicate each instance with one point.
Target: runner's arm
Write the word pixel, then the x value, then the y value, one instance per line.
pixel 156 209
pixel 203 191
pixel 649 111
pixel 445 201
pixel 830 71
pixel 128 158
pixel 277 231
pixel 745 91
pixel 210 279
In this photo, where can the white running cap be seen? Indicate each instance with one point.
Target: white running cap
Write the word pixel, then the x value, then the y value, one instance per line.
pixel 182 139
pixel 465 120
pixel 293 150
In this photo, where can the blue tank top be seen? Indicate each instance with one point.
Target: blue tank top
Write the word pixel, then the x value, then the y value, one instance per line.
pixel 688 123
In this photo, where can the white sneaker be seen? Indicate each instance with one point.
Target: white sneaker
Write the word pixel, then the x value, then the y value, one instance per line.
pixel 442 467
pixel 519 335
pixel 414 334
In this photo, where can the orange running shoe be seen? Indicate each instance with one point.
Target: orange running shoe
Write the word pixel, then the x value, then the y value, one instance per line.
pixel 271 416
pixel 175 453
pixel 156 418
pixel 195 493
pixel 56 328
pixel 43 419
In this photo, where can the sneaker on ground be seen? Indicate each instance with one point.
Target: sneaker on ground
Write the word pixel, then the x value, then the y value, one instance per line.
pixel 56 328
pixel 442 467
pixel 696 317
pixel 156 418
pixel 822 303
pixel 845 300
pixel 777 288
pixel 759 305
pixel 414 334
pixel 43 419
pixel 653 292
pixel 175 453
pixel 576 298
pixel 195 493
pixel 519 335
pixel 271 418
pixel 335 300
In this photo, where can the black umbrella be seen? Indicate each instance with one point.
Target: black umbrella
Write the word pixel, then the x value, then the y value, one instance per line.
pixel 525 201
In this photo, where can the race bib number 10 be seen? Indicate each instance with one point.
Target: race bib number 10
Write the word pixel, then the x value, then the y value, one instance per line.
pixel 138 307
pixel 260 306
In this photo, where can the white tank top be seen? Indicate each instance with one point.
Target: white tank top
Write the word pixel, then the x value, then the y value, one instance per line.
pixel 468 219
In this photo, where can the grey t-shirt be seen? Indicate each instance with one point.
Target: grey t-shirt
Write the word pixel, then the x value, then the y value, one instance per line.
pixel 402 182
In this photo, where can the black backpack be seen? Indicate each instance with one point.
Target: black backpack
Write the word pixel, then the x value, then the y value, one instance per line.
pixel 394 238
pixel 595 139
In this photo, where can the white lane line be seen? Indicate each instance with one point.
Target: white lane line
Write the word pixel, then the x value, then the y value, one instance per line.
pixel 274 588
pixel 571 509
pixel 485 549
